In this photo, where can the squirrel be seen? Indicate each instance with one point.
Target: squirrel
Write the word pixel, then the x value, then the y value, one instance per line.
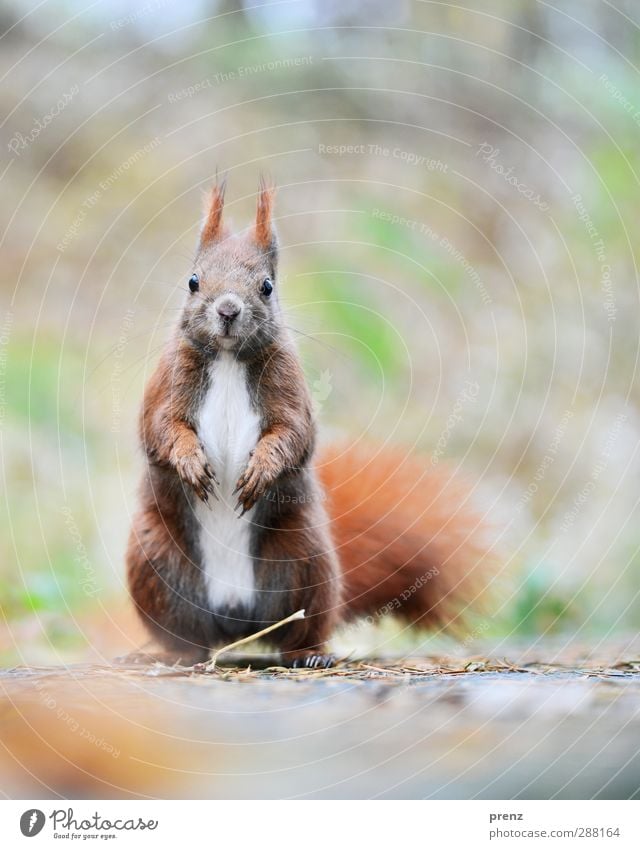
pixel 240 524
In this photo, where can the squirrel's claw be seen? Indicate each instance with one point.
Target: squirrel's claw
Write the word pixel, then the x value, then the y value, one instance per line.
pixel 205 486
pixel 253 483
pixel 211 475
pixel 314 661
pixel 245 502
pixel 209 486
pixel 195 470
pixel 246 487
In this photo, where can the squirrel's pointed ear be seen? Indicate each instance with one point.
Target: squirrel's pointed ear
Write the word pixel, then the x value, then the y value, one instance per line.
pixel 265 234
pixel 212 227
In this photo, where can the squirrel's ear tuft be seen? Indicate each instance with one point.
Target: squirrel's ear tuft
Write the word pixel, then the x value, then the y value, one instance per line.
pixel 212 227
pixel 265 235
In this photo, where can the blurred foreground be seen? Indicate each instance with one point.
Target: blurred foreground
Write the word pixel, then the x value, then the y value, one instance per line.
pixel 541 725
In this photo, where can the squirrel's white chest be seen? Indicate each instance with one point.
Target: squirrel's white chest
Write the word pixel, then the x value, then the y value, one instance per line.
pixel 229 429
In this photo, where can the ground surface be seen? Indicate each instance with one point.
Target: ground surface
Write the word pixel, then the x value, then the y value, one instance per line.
pixel 425 727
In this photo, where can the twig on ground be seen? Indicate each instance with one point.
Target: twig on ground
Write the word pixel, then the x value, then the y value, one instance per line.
pixel 211 665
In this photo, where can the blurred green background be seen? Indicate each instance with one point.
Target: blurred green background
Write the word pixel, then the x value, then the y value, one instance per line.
pixel 457 207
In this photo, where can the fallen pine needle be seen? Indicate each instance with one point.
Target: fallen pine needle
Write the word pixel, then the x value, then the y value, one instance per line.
pixel 211 665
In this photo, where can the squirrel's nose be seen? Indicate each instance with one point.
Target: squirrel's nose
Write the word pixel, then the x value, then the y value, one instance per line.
pixel 228 309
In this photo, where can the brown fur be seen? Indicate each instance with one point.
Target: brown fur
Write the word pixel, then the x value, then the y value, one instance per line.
pixel 264 230
pixel 392 525
pixel 408 538
pixel 212 229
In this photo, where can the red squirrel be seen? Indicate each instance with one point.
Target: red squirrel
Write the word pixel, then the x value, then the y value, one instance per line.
pixel 240 525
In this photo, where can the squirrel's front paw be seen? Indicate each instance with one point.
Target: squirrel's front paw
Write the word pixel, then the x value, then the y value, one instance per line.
pixel 194 470
pixel 253 483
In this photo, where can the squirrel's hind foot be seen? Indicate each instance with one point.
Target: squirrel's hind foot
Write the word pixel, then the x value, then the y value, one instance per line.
pixel 313 661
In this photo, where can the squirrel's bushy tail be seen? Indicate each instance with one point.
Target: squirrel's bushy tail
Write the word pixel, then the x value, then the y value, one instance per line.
pixel 409 541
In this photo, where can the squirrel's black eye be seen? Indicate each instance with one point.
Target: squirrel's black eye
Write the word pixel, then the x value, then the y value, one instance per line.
pixel 267 287
pixel 194 283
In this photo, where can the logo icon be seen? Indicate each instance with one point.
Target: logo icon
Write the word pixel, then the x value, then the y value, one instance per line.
pixel 32 822
pixel 322 388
